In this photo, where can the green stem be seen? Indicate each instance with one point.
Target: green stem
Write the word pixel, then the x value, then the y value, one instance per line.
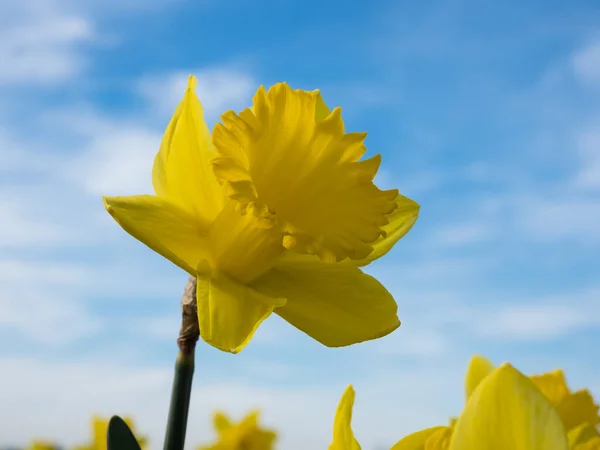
pixel 180 402
pixel 184 370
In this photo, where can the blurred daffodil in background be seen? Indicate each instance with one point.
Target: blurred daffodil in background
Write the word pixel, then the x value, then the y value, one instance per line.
pixel 506 409
pixel 99 427
pixel 245 435
pixel 575 409
pixel 343 436
pixel 275 212
pixel 39 444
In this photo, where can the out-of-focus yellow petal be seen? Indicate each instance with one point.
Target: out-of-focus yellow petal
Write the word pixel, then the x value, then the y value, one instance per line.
pixel 581 435
pixel 241 246
pixel 574 408
pixel 343 436
pixel 553 385
pixel 42 445
pixel 440 440
pixel 162 226
pixel 230 312
pixel 246 435
pixel 592 444
pixel 279 162
pixel 221 422
pixel 417 441
pixel 401 220
pixel 507 411
pixel 336 304
pixel 479 368
pixel 99 430
pixel 578 408
pixel 182 171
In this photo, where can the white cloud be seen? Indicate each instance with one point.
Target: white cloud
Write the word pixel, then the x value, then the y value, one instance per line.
pixel 22 226
pixel 586 63
pixel 570 217
pixel 117 161
pixel 38 316
pixel 534 322
pixel 39 42
pixel 37 305
pixel 462 234
pixel 219 90
pixel 416 337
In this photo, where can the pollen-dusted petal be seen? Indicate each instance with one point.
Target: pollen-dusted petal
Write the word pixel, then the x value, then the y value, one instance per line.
pixel 163 226
pixel 343 436
pixel 285 156
pixel 401 220
pixel 182 171
pixel 507 411
pixel 417 441
pixel 336 304
pixel 229 312
pixel 479 368
pixel 242 245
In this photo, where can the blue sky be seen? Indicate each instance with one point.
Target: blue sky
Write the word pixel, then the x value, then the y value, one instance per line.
pixel 486 113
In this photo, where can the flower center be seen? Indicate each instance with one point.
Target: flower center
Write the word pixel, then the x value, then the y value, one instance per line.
pixel 289 160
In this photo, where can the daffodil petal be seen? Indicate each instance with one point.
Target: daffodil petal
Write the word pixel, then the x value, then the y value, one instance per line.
pixel 479 368
pixel 592 444
pixel 507 411
pixel 581 435
pixel 578 408
pixel 163 226
pixel 241 245
pixel 336 304
pixel 553 385
pixel 321 109
pixel 229 313
pixel 343 436
pixel 440 440
pixel 416 441
pixel 182 171
pixel 401 220
pixel 222 422
pixel 574 408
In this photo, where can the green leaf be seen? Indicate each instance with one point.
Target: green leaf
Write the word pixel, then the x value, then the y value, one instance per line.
pixel 119 436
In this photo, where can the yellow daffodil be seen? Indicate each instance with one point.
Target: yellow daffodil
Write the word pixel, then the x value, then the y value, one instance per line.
pixel 343 436
pixel 99 431
pixel 576 411
pixel 275 213
pixel 42 445
pixel 505 411
pixel 574 408
pixel 245 435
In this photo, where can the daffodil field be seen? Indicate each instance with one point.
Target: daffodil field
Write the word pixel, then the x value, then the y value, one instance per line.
pixel 540 411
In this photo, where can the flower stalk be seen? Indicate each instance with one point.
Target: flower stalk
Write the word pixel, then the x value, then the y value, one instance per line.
pixel 184 370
